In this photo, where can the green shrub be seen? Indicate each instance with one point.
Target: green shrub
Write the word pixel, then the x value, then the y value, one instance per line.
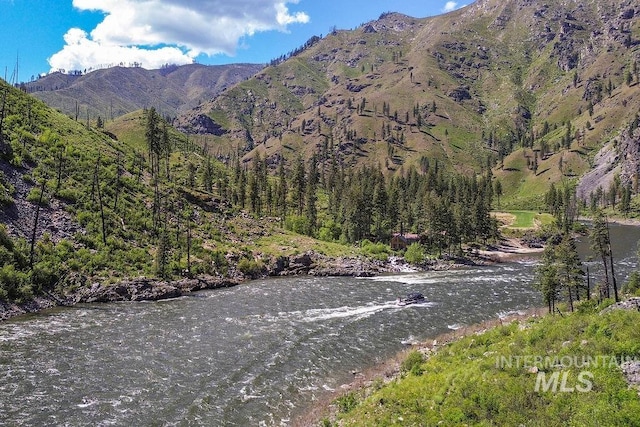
pixel 6 191
pixel 12 282
pixel 633 284
pixel 68 195
pixel 587 306
pixel 296 223
pixel 250 267
pixel 413 363
pixel 414 254
pixel 220 261
pixel 347 402
pixel 25 292
pixel 44 275
pixel 376 250
pixel 34 196
pixel 330 231
pixel 5 239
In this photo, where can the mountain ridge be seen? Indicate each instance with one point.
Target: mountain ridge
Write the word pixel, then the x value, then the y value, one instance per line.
pixel 489 80
pixel 115 91
pixel 518 86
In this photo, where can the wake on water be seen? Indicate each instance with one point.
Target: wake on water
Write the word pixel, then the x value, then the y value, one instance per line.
pixel 360 312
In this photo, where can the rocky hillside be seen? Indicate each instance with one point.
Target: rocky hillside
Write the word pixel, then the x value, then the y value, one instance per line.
pixel 112 92
pixel 515 83
pixel 616 164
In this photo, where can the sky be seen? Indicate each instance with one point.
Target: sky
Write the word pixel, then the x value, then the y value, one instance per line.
pixel 42 36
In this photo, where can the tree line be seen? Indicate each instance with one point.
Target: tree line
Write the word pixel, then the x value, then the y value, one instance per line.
pixel 322 198
pixel 561 275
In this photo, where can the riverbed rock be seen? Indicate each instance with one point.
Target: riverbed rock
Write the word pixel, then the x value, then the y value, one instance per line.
pixel 140 289
pixel 8 310
pixel 148 289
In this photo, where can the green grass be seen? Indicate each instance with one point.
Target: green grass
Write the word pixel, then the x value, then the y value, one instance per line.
pixel 485 379
pixel 280 242
pixel 544 219
pixel 524 219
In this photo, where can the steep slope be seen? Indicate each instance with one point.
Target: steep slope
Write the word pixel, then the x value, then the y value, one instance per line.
pixel 497 81
pixel 115 91
pixel 77 205
pixel 83 206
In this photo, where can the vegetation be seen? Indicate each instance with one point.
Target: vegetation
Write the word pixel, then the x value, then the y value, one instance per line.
pixel 414 254
pixel 155 203
pixel 390 99
pixel 348 140
pixel 496 378
pixel 524 219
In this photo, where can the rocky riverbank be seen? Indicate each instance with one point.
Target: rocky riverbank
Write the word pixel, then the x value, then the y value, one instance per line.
pixel 81 289
pixel 316 264
pixel 139 289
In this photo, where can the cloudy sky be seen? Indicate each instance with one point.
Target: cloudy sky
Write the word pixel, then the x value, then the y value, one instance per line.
pixel 46 35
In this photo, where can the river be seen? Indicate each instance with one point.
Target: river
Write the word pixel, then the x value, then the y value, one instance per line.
pixel 256 354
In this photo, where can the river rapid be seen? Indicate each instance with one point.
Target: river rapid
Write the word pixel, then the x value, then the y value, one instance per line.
pixel 256 354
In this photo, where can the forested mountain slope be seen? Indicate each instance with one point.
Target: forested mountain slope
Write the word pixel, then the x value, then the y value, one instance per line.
pixel 90 203
pixel 534 88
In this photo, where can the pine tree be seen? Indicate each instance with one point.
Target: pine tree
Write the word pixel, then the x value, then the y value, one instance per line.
pixel 207 175
pixel 497 190
pixel 299 185
pixel 311 212
pixel 162 254
pixel 281 195
pixel 569 268
pixel 599 239
pixel 625 202
pixel 547 278
pixel 380 207
pixel 254 195
pixel 153 139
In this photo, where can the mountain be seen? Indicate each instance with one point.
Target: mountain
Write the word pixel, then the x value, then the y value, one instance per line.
pixel 536 88
pixel 112 92
pixel 84 205
pixel 513 92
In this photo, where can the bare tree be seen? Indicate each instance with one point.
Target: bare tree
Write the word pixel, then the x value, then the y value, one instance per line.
pixel 35 223
pixel 3 105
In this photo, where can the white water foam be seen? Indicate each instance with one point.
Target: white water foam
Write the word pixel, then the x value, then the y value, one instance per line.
pixel 504 314
pixel 360 312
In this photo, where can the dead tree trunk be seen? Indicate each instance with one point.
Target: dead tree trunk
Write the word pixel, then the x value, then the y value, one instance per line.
pixel 35 224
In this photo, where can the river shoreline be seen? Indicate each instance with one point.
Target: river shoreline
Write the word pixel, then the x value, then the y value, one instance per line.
pixel 86 290
pixel 389 370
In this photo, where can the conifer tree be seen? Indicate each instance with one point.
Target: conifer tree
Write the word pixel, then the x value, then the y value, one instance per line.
pixel 569 268
pixel 599 238
pixel 299 185
pixel 281 195
pixel 311 212
pixel 547 278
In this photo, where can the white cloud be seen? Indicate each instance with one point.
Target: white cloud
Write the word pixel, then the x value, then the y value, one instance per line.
pixel 450 6
pixel 157 32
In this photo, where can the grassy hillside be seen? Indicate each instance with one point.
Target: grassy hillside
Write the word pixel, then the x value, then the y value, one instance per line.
pixel 491 84
pixel 498 377
pixel 112 92
pixel 102 212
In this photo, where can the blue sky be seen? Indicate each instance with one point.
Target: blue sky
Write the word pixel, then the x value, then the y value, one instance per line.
pixel 48 35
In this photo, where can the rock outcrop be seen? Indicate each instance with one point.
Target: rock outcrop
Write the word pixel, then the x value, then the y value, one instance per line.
pixel 620 157
pixel 146 289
